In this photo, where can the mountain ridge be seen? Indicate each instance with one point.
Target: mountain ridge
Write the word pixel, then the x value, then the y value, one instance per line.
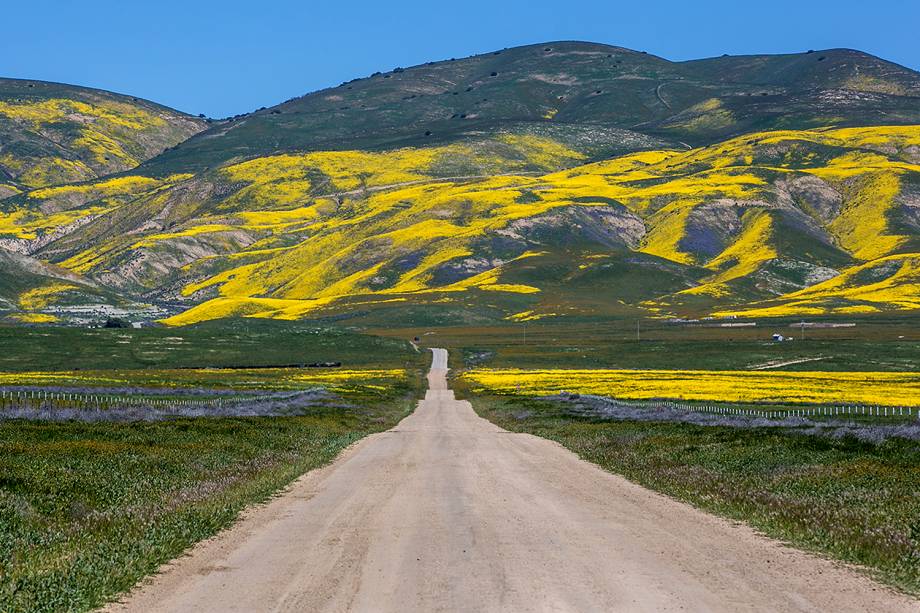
pixel 544 198
pixel 441 120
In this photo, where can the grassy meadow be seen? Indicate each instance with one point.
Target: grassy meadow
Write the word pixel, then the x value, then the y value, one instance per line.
pixel 230 343
pixel 88 508
pixel 883 344
pixel 874 344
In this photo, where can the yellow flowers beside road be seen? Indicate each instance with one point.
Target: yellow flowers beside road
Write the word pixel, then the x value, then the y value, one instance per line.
pixel 887 388
pixel 60 378
pixel 344 381
pixel 337 380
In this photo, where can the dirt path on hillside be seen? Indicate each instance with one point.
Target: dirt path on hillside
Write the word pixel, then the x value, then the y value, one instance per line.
pixel 780 363
pixel 447 512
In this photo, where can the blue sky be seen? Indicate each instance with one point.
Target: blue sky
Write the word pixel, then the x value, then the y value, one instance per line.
pixel 223 58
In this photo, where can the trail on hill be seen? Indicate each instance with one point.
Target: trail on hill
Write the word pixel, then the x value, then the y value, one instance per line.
pixel 447 512
pixel 431 180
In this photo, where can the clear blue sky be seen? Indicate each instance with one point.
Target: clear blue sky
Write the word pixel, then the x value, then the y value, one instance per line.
pixel 226 57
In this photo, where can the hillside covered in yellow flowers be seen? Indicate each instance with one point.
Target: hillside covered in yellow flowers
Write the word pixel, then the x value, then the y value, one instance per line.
pixel 787 222
pixel 51 134
pixel 516 222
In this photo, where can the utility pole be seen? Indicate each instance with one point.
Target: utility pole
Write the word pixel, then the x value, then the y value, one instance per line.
pixel 802 327
pixel 524 326
pixel 638 339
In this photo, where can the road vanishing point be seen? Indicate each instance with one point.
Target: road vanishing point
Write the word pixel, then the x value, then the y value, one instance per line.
pixel 447 512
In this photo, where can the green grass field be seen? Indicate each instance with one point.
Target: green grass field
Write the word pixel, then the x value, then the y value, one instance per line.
pixel 87 509
pixel 874 344
pixel 224 343
pixel 845 499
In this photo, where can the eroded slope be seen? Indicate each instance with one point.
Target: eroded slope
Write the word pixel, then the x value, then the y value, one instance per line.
pixel 800 221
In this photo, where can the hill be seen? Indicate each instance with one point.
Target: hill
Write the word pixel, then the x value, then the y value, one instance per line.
pixel 577 180
pixel 52 133
pixel 566 91
pixel 35 292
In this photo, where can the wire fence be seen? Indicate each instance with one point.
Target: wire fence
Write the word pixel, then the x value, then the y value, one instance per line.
pixel 866 423
pixel 829 411
pixel 43 399
pixel 39 404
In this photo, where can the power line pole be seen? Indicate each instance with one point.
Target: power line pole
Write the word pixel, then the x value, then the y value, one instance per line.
pixel 638 339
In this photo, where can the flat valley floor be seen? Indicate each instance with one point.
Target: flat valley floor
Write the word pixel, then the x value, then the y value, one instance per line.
pixel 447 512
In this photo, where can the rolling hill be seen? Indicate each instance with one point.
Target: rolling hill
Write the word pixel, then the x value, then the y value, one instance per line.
pixel 52 134
pixel 556 180
pixel 579 93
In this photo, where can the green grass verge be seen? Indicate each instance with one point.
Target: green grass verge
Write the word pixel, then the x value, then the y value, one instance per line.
pixel 852 501
pixel 874 344
pixel 88 509
pixel 222 343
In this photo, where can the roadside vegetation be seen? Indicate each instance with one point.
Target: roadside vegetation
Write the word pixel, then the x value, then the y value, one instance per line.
pixel 841 497
pixel 87 509
pixel 109 469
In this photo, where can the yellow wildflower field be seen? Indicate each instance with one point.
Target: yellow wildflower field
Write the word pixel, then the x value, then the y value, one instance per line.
pixel 874 388
pixel 336 380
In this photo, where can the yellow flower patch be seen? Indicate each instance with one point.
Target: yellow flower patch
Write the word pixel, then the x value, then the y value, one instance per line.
pixel 901 389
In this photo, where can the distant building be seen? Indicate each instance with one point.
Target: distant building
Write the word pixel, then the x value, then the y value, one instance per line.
pixel 779 338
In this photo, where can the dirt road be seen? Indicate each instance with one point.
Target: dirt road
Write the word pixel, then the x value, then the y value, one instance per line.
pixel 447 512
